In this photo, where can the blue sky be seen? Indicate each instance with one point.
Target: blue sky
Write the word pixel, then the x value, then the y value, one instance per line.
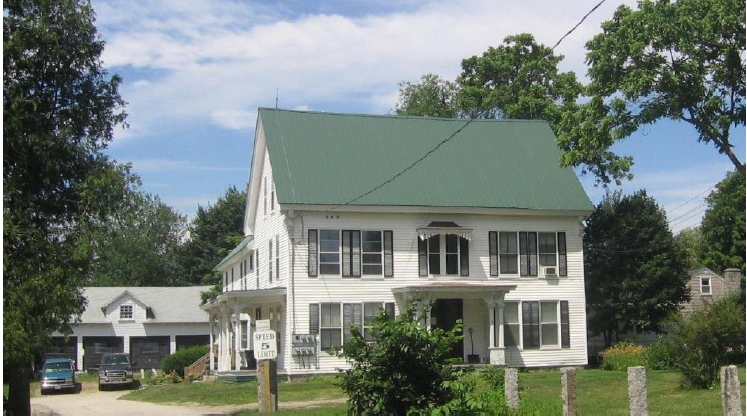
pixel 195 73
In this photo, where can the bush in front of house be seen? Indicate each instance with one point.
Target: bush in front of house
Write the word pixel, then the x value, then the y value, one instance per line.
pixel 704 340
pixel 622 355
pixel 658 355
pixel 176 362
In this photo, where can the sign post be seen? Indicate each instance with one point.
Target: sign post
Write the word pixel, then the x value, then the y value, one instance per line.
pixel 265 352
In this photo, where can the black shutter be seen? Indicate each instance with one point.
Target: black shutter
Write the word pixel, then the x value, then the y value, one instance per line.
pixel 388 254
pixel 463 256
pixel 523 254
pixel 423 257
pixel 314 318
pixel 352 315
pixel 346 258
pixel 565 334
pixel 530 324
pixel 389 308
pixel 493 251
pixel 562 258
pixel 532 254
pixel 355 253
pixel 312 253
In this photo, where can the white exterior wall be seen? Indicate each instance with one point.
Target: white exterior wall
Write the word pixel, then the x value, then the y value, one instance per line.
pixel 379 289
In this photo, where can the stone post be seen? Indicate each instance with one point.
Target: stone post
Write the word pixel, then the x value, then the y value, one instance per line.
pixel 568 384
pixel 731 396
pixel 511 388
pixel 637 391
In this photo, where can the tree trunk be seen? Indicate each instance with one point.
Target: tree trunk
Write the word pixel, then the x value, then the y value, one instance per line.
pixel 19 398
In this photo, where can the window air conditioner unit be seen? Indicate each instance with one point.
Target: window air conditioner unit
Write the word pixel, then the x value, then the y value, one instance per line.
pixel 549 271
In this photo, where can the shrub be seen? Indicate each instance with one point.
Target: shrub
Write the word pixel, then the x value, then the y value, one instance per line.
pixel 658 356
pixel 406 369
pixel 176 362
pixel 622 355
pixel 495 377
pixel 702 341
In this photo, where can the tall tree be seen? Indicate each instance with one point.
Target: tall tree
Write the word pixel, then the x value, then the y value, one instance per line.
pixel 59 108
pixel 724 225
pixel 432 97
pixel 635 274
pixel 690 240
pixel 517 80
pixel 139 246
pixel 681 61
pixel 214 232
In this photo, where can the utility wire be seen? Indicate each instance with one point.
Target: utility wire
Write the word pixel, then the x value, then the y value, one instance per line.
pixel 689 200
pixel 428 153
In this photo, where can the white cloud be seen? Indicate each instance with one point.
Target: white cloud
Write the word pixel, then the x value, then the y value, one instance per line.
pixel 157 165
pixel 234 119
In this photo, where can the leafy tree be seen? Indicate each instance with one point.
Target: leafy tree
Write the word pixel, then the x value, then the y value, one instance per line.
pixel 214 232
pixel 701 341
pixel 723 225
pixel 635 274
pixel 406 369
pixel 140 245
pixel 681 61
pixel 432 96
pixel 59 108
pixel 517 80
pixel 690 240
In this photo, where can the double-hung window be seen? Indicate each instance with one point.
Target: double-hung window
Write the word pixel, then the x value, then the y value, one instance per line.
pixel 443 254
pixel 705 285
pixel 330 328
pixel 270 261
pixel 350 253
pixel 536 324
pixel 333 321
pixel 527 253
pixel 125 312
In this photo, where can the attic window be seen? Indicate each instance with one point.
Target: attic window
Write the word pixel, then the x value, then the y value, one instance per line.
pixel 125 312
pixel 705 285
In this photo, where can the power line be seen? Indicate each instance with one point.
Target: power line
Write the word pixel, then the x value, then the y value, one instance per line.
pixel 688 201
pixel 428 153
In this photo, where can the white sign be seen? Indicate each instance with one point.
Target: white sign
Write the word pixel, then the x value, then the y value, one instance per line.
pixel 263 325
pixel 265 345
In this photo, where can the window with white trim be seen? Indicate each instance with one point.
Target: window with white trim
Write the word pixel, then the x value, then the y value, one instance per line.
pixel 536 324
pixel 333 321
pixel 125 312
pixel 350 253
pixel 443 254
pixel 277 257
pixel 270 261
pixel 509 253
pixel 330 328
pixel 705 286
pixel 527 253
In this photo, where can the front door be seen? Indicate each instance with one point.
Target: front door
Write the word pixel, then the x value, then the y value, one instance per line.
pixel 445 313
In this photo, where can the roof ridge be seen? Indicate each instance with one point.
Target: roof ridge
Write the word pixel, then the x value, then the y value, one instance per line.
pixel 404 117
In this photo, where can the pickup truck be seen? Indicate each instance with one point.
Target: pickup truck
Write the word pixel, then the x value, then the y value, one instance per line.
pixel 115 370
pixel 57 374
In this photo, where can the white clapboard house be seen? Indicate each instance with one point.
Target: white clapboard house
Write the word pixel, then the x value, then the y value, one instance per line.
pixel 347 214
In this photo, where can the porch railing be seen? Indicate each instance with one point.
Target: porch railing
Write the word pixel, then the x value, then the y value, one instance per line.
pixel 197 369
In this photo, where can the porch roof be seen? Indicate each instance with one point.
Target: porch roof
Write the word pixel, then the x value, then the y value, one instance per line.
pixel 465 288
pixel 247 296
pixel 443 227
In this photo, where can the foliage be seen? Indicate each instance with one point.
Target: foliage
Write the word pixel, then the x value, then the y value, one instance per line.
pixel 406 369
pixel 723 225
pixel 139 246
pixel 464 399
pixel 701 340
pixel 635 275
pixel 495 377
pixel 691 241
pixel 623 355
pixel 166 378
pixel 60 108
pixel 681 61
pixel 176 362
pixel 659 356
pixel 519 80
pixel 432 96
pixel 214 232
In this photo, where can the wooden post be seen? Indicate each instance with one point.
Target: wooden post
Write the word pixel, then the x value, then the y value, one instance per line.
pixel 267 385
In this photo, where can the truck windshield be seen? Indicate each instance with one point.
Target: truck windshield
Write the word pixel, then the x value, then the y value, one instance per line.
pixel 115 360
pixel 50 367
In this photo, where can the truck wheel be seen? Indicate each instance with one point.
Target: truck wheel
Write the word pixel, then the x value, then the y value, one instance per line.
pixel 101 387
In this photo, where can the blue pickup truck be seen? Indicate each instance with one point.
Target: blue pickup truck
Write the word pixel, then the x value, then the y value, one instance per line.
pixel 58 374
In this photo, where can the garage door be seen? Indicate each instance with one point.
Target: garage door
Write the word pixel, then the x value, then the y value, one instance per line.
pixel 63 348
pixel 186 341
pixel 95 347
pixel 148 352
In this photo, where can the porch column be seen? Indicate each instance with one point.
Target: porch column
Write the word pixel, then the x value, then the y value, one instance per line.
pixel 236 319
pixel 496 347
pixel 491 319
pixel 172 344
pixel 501 337
pixel 211 365
pixel 80 352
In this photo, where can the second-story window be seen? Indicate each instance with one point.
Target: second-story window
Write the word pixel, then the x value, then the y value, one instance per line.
pixel 277 257
pixel 351 253
pixel 444 254
pixel 329 252
pixel 269 263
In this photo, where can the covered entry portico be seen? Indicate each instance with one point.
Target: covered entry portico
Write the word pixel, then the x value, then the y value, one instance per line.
pixel 481 314
pixel 233 317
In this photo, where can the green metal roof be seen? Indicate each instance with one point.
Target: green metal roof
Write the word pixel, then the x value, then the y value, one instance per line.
pixel 233 252
pixel 332 159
